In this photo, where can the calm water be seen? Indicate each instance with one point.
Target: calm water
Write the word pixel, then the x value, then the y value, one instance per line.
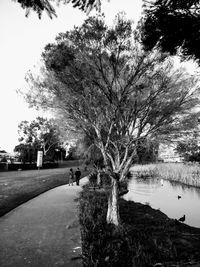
pixel 163 195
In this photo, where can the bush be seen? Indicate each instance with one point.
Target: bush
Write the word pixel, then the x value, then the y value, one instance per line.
pixel 93 179
pixel 105 179
pixel 102 244
pixel 49 165
pixel 3 166
pixel 4 159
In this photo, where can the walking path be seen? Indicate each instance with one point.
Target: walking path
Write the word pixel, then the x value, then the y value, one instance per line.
pixel 43 231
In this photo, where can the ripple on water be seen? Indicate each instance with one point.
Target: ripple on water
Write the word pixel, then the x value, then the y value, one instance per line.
pixel 163 195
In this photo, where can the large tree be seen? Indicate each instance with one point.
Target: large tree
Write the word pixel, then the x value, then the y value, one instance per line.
pixel 39 134
pixel 106 86
pixel 172 24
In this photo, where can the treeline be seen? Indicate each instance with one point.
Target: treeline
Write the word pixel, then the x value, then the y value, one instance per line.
pixel 40 134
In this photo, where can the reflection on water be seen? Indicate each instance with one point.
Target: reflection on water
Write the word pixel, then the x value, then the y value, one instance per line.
pixel 163 195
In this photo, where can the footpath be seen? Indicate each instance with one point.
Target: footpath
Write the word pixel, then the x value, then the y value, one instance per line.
pixel 43 231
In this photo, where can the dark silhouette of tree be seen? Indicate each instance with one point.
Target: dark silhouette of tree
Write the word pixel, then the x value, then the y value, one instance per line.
pixel 40 134
pixel 172 24
pixel 147 151
pixel 39 6
pixel 106 86
pixel 2 151
pixel 27 152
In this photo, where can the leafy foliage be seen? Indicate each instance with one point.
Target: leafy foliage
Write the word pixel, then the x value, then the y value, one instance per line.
pixel 39 6
pixel 172 24
pixel 27 153
pixel 40 134
pixel 147 151
pixel 107 87
pixel 189 149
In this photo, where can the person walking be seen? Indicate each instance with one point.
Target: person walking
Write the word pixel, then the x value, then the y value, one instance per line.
pixel 77 176
pixel 71 177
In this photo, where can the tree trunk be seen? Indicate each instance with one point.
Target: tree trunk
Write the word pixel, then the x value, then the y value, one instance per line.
pixel 113 205
pixel 98 178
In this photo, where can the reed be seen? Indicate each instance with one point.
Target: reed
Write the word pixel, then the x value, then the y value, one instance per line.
pixel 188 174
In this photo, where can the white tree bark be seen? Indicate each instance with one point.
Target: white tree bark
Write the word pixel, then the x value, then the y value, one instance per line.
pixel 113 206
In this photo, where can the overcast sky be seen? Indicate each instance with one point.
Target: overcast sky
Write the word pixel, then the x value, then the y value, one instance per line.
pixel 21 43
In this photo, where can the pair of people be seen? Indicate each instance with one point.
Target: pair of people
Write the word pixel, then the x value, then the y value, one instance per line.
pixel 77 175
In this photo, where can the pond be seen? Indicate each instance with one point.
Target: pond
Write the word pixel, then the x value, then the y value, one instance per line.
pixel 163 195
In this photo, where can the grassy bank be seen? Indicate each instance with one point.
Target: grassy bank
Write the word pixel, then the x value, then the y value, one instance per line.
pixel 188 174
pixel 19 187
pixel 146 237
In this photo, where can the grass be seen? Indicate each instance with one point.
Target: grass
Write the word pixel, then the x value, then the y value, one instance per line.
pixel 146 237
pixel 188 174
pixel 19 187
pixel 102 244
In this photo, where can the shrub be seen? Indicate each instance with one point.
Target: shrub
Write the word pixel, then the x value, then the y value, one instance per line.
pixel 93 179
pixel 3 166
pixel 4 159
pixel 102 244
pixel 105 179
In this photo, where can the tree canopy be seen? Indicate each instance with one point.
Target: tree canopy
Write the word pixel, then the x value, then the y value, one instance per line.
pixel 39 6
pixel 39 134
pixel 105 85
pixel 189 145
pixel 172 24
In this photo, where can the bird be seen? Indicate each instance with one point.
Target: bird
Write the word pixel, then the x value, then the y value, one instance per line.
pixel 182 219
pixel 179 197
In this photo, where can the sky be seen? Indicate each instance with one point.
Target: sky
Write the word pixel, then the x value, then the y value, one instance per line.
pixel 22 41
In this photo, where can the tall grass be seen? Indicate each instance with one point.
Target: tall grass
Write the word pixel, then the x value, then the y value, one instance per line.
pixel 188 174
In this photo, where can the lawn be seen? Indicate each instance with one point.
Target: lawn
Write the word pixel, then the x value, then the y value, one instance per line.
pixel 18 187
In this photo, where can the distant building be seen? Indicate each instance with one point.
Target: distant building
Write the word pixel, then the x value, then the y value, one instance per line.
pixel 167 153
pixel 8 156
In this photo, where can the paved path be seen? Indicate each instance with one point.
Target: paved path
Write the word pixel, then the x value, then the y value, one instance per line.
pixel 43 231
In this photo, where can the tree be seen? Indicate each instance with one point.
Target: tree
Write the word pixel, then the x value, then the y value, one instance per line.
pixel 106 86
pixel 87 150
pixel 38 134
pixel 147 150
pixel 27 152
pixel 189 150
pixel 189 146
pixel 2 151
pixel 39 6
pixel 172 24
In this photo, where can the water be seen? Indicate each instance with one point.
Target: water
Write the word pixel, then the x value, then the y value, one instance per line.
pixel 163 195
